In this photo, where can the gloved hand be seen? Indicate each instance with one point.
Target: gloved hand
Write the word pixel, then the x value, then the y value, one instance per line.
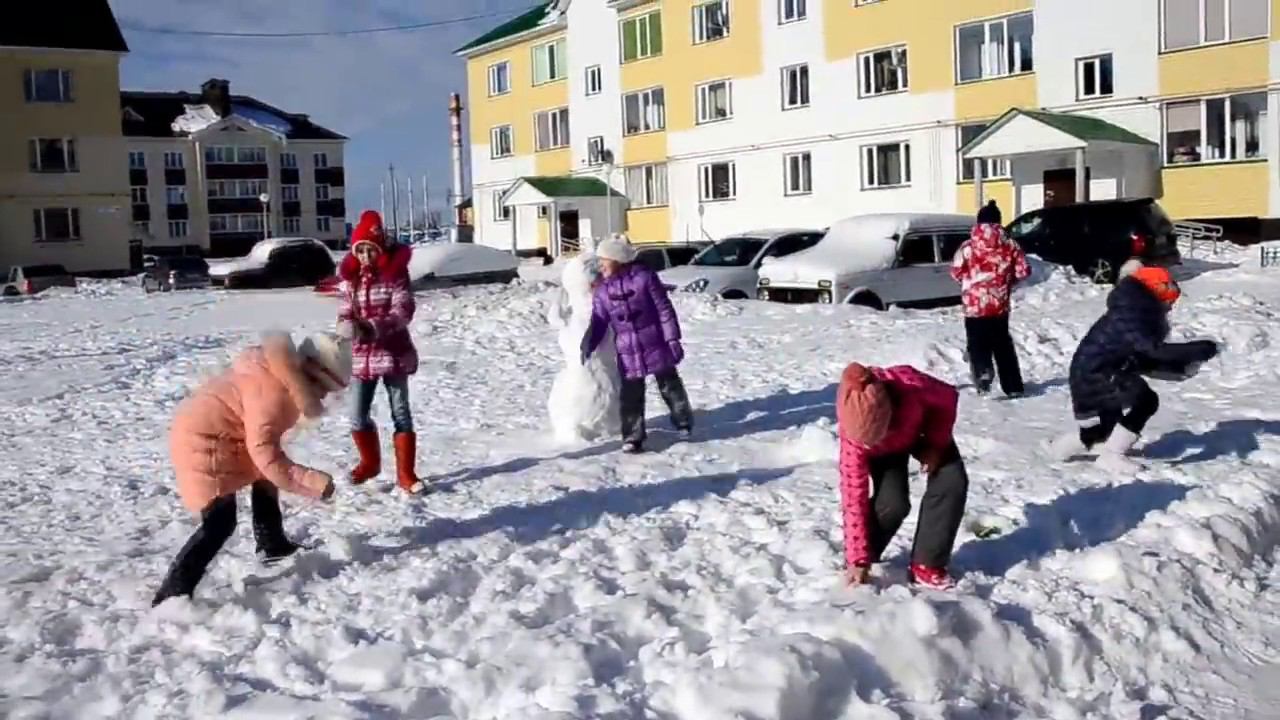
pixel 931 458
pixel 677 350
pixel 858 575
pixel 365 330
pixel 585 348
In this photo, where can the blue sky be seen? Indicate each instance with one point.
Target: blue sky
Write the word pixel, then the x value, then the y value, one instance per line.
pixel 388 92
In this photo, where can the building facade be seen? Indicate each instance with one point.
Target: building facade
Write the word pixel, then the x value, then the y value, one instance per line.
pixel 718 116
pixel 64 190
pixel 199 165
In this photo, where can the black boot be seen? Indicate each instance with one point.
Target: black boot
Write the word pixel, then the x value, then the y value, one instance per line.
pixel 217 523
pixel 268 524
pixel 671 387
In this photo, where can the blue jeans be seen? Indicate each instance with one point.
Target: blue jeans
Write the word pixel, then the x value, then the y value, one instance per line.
pixel 397 393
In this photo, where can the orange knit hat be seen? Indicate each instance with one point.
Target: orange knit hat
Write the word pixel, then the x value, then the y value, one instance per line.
pixel 863 407
pixel 1159 282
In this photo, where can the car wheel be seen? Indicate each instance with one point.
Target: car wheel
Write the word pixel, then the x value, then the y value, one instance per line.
pixel 733 295
pixel 11 291
pixel 868 300
pixel 1101 272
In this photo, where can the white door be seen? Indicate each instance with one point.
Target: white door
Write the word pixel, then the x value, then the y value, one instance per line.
pixel 914 274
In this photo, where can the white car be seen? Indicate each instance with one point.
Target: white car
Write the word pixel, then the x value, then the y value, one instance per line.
pixel 877 260
pixel 729 268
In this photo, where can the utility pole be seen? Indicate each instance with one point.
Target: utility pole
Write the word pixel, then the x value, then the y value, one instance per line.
pixel 382 193
pixel 395 200
pixel 409 178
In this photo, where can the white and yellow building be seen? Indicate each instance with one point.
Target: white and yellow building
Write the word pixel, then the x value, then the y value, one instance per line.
pixel 724 115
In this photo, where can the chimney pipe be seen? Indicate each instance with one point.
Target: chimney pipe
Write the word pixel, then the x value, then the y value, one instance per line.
pixel 216 93
pixel 455 141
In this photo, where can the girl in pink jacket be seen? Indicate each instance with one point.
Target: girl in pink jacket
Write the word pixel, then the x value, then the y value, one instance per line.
pixel 886 416
pixel 227 436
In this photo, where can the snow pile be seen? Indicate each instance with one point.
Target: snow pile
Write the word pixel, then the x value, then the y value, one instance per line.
pixel 194 119
pixel 446 259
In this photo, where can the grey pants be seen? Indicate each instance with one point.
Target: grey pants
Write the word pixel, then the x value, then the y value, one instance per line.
pixel 671 387
pixel 397 394
pixel 941 508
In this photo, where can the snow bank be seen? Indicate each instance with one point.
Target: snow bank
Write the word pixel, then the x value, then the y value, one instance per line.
pixel 446 259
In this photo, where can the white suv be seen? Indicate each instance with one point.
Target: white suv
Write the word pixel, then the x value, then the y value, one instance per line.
pixel 730 267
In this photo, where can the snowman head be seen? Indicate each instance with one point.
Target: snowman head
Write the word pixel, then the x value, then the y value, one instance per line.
pixel 580 276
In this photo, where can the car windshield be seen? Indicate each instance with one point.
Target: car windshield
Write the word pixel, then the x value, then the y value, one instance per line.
pixel 730 252
pixel 35 271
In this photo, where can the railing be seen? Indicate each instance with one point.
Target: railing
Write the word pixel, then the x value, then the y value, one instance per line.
pixel 1194 235
pixel 1269 255
pixel 569 246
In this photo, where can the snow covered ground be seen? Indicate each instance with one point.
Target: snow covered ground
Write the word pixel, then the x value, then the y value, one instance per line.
pixel 700 582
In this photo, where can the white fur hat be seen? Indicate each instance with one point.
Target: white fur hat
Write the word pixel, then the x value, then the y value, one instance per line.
pixel 333 354
pixel 616 247
pixel 1130 266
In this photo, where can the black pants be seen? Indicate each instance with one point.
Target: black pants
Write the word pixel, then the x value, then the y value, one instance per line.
pixel 1144 408
pixel 217 522
pixel 941 508
pixel 990 348
pixel 673 394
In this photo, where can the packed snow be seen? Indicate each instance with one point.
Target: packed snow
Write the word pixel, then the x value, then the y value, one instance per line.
pixel 698 582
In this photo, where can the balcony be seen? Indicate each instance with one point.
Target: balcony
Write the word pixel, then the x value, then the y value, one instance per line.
pixel 234 206
pixel 290 176
pixel 334 176
pixel 137 177
pixel 141 212
pixel 175 176
pixel 179 211
pixel 291 209
pixel 218 171
pixel 331 208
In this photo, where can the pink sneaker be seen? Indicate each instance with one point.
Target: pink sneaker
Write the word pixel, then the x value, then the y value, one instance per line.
pixel 936 578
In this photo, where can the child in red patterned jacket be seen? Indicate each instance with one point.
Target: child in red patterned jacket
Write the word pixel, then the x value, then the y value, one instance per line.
pixel 376 308
pixel 987 267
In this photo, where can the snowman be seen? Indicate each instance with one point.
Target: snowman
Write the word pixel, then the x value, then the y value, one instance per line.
pixel 583 404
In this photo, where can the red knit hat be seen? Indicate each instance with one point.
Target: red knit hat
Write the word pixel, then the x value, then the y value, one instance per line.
pixel 369 230
pixel 863 407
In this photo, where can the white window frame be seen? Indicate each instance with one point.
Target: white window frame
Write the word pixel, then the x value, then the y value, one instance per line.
pixel 256 154
pixel 143 227
pixel 70 156
pixel 231 189
pixel 324 224
pixel 320 160
pixel 501 213
pixel 871 171
pixel 289 160
pixel 867 76
pixel 1228 130
pixel 235 222
pixel 643 24
pixel 73 224
pixel 595 150
pixel 792 11
pixel 497 147
pixel 544 211
pixel 141 157
pixel 1263 32
pixel 175 191
pixel 323 193
pixel 593 80
pixel 647 185
pixel 138 194
pixel 557 137
pixel 179 228
pixel 290 193
pixel 174 160
pixel 994 66
pixel 797 173
pixel 293 226
pixel 651 104
pixel 702 98
pixel 65 93
pixel 705 30
pixel 1092 65
pixel 793 74
pixel 557 63
pixel 499 78
pixel 993 168
pixel 706 182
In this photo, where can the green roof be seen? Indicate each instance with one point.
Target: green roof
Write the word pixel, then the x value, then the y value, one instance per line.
pixel 569 186
pixel 1082 127
pixel 520 24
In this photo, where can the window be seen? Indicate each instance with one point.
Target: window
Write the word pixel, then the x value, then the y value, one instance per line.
pixel 718 182
pixel 57 224
pixel 219 154
pixel 501 213
pixel 175 195
pixel 320 160
pixel 595 150
pixel 501 143
pixel 235 223
pixel 995 48
pixel 916 250
pixel 792 10
pixel 1190 23
pixel 1093 77
pixel 52 155
pixel 710 21
pixel 1217 129
pixel 293 226
pixel 324 224
pixel 642 36
pixel 178 228
pixel 227 155
pixel 236 188
pixel 499 78
pixel 288 160
pixel 138 194
pixel 48 86
pixel 992 168
pixel 715 101
pixel 883 71
pixel 795 87
pixel 647 185
pixel 173 160
pixel 322 193
pixel 644 111
pixel 594 80
pixel 887 165
pixel 544 211
pixel 141 228
pixel 251 155
pixel 551 129
pixel 797 173
pixel 137 160
pixel 549 62
pixel 290 193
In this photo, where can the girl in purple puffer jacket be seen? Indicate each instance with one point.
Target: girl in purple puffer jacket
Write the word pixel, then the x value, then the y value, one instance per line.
pixel 632 301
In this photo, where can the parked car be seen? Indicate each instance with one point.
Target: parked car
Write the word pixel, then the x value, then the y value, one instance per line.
pixel 180 272
pixel 730 267
pixel 275 263
pixel 660 256
pixel 877 260
pixel 32 279
pixel 1096 238
pixel 436 265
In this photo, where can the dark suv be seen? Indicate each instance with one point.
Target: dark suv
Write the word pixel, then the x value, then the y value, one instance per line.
pixel 1096 238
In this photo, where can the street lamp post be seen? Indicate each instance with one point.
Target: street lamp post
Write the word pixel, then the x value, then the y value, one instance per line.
pixel 606 156
pixel 266 224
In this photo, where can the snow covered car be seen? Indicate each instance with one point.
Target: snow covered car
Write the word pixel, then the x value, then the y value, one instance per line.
pixel 32 279
pixel 436 265
pixel 275 263
pixel 661 256
pixel 182 272
pixel 729 268
pixel 877 260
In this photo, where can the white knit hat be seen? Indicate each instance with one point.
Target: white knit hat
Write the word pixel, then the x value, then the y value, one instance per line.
pixel 618 248
pixel 332 354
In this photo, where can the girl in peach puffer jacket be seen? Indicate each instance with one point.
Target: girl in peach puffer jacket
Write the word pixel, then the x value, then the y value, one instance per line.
pixel 227 436
pixel 886 416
